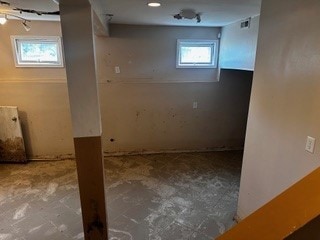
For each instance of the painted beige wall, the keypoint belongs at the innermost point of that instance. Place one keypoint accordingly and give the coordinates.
(284, 106)
(148, 54)
(40, 93)
(239, 45)
(8, 71)
(149, 105)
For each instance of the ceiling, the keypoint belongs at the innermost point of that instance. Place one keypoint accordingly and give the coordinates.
(213, 12)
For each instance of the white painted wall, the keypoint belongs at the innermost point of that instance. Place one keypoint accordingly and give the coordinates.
(238, 45)
(82, 83)
(284, 107)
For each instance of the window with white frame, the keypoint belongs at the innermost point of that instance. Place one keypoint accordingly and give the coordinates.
(37, 51)
(197, 53)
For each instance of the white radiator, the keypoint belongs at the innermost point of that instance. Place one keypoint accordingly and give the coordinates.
(11, 140)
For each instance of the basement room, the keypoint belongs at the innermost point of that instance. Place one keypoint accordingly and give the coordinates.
(137, 119)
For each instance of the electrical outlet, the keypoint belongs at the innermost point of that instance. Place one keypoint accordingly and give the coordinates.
(310, 144)
(117, 69)
(195, 105)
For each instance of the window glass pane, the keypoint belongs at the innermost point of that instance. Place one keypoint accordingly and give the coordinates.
(196, 53)
(191, 54)
(39, 52)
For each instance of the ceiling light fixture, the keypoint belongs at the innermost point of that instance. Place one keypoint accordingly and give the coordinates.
(154, 4)
(4, 19)
(188, 14)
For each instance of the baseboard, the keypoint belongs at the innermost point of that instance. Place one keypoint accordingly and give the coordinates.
(132, 153)
(61, 157)
(168, 151)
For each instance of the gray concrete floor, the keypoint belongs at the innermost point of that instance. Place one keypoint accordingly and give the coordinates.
(156, 197)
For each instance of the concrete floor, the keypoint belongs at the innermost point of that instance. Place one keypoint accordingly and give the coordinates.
(158, 197)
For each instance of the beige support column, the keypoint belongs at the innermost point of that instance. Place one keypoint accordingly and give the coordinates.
(77, 32)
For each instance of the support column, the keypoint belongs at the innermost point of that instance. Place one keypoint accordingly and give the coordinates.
(78, 40)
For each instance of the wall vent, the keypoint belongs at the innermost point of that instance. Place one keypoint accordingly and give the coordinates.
(245, 23)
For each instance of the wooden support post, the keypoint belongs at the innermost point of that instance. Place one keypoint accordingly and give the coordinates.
(78, 40)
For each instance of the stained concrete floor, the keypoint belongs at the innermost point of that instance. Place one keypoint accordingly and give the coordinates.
(156, 197)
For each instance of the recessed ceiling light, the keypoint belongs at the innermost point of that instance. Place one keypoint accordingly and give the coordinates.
(154, 4)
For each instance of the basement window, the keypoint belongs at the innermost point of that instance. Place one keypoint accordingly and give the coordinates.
(37, 51)
(197, 53)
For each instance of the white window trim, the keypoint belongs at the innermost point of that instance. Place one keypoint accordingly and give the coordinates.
(19, 63)
(205, 42)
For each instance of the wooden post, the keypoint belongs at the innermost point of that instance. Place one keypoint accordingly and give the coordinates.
(78, 40)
